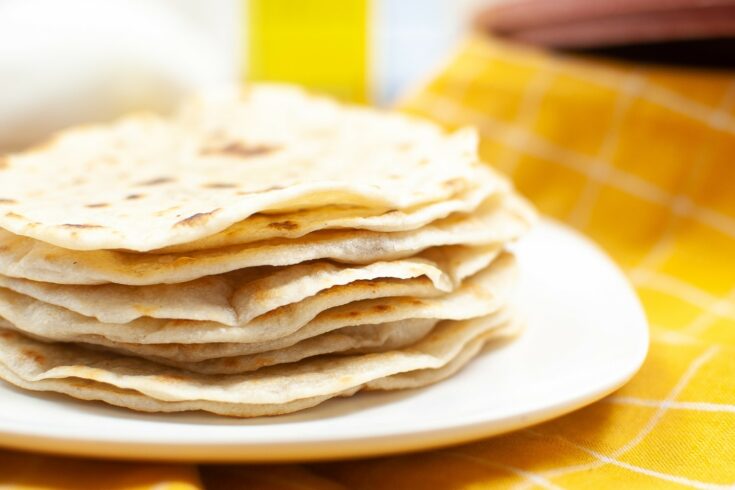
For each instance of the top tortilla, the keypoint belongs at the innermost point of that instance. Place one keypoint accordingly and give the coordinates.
(146, 182)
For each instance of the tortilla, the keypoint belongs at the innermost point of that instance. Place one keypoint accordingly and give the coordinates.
(146, 386)
(147, 182)
(238, 297)
(497, 221)
(379, 302)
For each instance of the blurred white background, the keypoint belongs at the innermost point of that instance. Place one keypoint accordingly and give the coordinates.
(76, 61)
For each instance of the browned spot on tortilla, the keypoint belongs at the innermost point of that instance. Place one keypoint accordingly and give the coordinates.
(130, 197)
(197, 219)
(97, 205)
(382, 308)
(13, 215)
(8, 201)
(175, 378)
(259, 191)
(229, 362)
(166, 211)
(146, 310)
(390, 211)
(7, 335)
(354, 314)
(37, 357)
(219, 185)
(239, 149)
(453, 184)
(417, 302)
(158, 181)
(263, 361)
(77, 225)
(284, 225)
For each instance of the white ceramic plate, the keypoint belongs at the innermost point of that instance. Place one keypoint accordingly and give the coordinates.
(586, 336)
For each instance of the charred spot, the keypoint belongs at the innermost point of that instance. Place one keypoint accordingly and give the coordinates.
(97, 205)
(197, 219)
(219, 185)
(6, 335)
(263, 362)
(382, 308)
(157, 181)
(37, 357)
(132, 197)
(417, 302)
(239, 149)
(283, 225)
(353, 314)
(453, 184)
(80, 225)
(230, 362)
(8, 201)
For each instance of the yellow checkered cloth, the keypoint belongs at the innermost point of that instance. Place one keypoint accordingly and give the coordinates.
(643, 161)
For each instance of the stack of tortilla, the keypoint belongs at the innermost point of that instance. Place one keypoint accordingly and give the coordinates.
(256, 254)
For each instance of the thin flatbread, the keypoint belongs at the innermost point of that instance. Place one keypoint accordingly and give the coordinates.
(238, 297)
(358, 339)
(147, 182)
(56, 367)
(394, 300)
(296, 224)
(497, 221)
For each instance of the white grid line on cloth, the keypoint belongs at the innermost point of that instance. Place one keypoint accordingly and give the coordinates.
(673, 286)
(694, 366)
(668, 336)
(652, 92)
(530, 105)
(449, 110)
(705, 319)
(603, 459)
(582, 212)
(695, 406)
(467, 75)
(528, 476)
(662, 248)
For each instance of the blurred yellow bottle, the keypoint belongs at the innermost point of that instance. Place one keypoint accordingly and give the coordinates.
(322, 44)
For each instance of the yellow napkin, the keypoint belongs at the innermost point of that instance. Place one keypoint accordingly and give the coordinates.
(23, 471)
(643, 161)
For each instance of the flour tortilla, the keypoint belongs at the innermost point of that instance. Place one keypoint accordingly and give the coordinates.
(497, 221)
(34, 361)
(146, 182)
(358, 339)
(302, 222)
(94, 391)
(238, 297)
(480, 295)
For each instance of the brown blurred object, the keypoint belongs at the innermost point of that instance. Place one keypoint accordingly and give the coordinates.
(590, 24)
